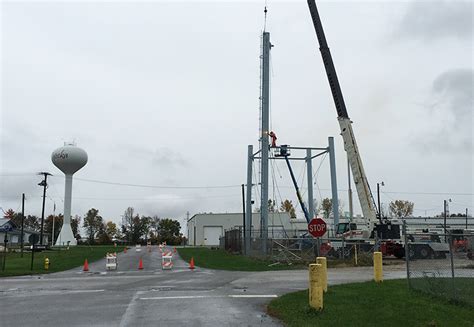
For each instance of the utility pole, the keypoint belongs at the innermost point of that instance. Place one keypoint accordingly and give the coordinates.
(466, 218)
(54, 215)
(22, 221)
(44, 184)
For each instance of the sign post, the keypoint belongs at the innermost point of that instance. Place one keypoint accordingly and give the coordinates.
(317, 227)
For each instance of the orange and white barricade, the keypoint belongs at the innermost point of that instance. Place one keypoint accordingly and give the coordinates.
(111, 261)
(167, 260)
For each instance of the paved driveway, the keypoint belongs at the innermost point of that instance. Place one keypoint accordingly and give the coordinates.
(155, 297)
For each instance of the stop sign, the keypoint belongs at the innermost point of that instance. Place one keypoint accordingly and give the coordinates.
(317, 227)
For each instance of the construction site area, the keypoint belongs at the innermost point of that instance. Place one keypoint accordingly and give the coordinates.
(227, 173)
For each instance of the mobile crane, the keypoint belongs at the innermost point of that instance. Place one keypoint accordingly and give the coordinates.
(386, 231)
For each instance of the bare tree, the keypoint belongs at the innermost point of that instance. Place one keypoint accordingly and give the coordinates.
(401, 208)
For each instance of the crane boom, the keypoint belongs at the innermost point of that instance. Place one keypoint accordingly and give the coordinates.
(366, 199)
(298, 194)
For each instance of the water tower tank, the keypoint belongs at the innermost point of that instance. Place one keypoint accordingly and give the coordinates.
(69, 158)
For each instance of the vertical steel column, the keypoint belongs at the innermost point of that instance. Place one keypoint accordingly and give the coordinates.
(264, 140)
(332, 164)
(248, 216)
(309, 172)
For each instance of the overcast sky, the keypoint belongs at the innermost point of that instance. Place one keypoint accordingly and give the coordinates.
(166, 94)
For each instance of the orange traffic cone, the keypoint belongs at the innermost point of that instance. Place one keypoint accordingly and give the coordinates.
(191, 263)
(140, 264)
(125, 250)
(86, 266)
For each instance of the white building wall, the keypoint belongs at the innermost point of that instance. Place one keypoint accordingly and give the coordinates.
(277, 223)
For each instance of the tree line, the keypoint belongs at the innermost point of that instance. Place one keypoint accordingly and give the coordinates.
(133, 229)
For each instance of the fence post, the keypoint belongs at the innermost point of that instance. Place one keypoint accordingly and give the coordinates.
(450, 238)
(407, 250)
(342, 248)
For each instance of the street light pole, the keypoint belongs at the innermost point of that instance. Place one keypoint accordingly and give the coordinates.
(22, 222)
(44, 184)
(444, 221)
(378, 200)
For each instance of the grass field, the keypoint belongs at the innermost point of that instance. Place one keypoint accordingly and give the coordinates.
(458, 289)
(369, 304)
(59, 259)
(220, 259)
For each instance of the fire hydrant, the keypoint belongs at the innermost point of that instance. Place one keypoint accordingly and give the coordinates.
(46, 263)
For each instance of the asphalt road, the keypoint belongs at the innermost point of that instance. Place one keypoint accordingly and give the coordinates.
(155, 297)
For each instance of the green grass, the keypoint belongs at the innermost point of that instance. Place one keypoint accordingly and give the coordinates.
(220, 259)
(59, 259)
(459, 290)
(369, 304)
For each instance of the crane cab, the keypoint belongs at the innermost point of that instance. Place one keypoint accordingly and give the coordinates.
(351, 231)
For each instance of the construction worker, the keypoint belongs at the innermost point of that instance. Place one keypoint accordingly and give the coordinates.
(274, 138)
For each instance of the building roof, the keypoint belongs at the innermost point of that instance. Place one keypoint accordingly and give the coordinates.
(16, 229)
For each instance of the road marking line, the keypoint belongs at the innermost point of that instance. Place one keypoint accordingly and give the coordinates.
(183, 297)
(81, 291)
(126, 319)
(252, 295)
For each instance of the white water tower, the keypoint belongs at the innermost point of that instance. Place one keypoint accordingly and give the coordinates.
(68, 159)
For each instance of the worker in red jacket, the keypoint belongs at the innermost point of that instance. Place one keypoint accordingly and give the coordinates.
(274, 138)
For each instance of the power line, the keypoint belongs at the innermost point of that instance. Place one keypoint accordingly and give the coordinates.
(156, 186)
(152, 199)
(430, 193)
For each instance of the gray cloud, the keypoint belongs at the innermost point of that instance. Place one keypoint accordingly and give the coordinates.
(432, 20)
(455, 88)
(168, 157)
(451, 106)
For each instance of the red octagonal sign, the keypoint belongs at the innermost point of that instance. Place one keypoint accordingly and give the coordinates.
(317, 227)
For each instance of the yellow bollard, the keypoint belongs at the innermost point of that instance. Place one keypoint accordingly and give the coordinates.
(378, 272)
(324, 276)
(355, 254)
(46, 263)
(315, 286)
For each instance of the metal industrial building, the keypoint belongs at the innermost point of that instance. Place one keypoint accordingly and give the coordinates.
(205, 229)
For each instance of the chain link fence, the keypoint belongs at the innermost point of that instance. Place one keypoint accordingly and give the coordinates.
(289, 249)
(441, 264)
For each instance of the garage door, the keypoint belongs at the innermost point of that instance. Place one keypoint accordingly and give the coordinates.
(212, 234)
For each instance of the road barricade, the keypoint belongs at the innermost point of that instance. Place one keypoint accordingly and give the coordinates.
(167, 260)
(111, 261)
